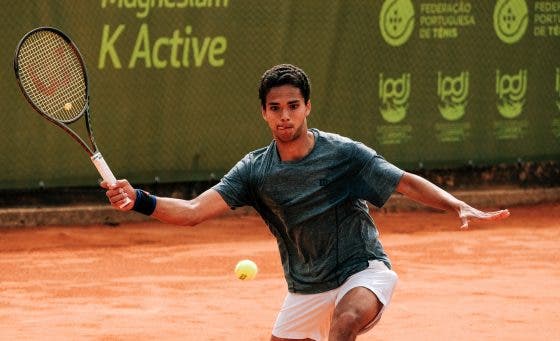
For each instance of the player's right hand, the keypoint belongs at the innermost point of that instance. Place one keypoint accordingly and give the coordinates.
(118, 194)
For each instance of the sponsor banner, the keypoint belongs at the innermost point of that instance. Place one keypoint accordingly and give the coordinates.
(173, 83)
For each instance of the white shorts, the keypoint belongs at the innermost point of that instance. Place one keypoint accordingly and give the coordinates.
(309, 315)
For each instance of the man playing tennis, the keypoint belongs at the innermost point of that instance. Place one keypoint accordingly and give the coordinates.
(311, 188)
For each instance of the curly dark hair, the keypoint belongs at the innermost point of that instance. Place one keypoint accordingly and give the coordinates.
(283, 74)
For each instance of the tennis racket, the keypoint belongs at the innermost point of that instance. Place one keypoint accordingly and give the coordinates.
(53, 78)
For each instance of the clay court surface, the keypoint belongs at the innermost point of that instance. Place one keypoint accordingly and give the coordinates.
(151, 281)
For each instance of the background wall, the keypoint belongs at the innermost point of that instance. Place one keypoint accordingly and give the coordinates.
(173, 84)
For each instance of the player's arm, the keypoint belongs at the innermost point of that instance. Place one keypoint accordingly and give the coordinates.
(190, 212)
(170, 210)
(425, 192)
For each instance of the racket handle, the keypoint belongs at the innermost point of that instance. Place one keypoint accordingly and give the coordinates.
(103, 168)
(105, 172)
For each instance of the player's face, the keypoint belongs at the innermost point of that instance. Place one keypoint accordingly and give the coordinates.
(286, 113)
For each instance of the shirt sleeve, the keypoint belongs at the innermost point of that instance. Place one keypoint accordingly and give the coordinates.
(234, 186)
(376, 178)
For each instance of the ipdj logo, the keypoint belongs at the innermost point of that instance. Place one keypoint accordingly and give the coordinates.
(396, 21)
(394, 93)
(510, 20)
(511, 93)
(453, 93)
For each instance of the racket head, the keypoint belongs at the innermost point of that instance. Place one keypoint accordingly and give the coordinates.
(52, 75)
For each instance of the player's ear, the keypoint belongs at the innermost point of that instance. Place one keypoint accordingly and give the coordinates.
(308, 108)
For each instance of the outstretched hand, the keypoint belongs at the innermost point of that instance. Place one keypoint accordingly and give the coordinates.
(468, 213)
(118, 193)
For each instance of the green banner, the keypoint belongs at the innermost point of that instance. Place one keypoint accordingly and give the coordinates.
(173, 83)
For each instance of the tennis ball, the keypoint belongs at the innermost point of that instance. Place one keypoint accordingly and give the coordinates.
(68, 106)
(246, 269)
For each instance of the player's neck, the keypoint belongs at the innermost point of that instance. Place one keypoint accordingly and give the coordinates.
(296, 149)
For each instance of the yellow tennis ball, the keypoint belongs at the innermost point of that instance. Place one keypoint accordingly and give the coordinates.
(68, 106)
(246, 270)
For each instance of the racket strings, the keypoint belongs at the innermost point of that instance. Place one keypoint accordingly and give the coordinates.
(51, 74)
(56, 78)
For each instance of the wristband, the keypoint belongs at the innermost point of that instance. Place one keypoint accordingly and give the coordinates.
(145, 203)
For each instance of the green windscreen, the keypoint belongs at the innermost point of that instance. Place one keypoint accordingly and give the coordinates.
(173, 83)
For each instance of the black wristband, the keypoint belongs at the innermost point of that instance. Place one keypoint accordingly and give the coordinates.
(145, 203)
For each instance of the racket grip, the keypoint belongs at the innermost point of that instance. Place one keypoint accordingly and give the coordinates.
(103, 168)
(106, 173)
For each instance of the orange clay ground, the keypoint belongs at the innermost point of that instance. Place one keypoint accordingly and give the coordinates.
(149, 281)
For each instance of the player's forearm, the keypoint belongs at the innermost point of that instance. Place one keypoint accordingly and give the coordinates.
(175, 211)
(425, 192)
(190, 212)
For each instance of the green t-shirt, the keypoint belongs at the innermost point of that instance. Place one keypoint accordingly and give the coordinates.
(315, 207)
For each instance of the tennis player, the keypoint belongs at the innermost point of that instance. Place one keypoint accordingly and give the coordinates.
(311, 188)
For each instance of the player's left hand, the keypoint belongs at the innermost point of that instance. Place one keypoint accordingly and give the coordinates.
(468, 213)
(118, 194)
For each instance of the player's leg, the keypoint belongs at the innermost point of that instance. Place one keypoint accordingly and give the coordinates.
(305, 317)
(361, 300)
(358, 308)
(274, 338)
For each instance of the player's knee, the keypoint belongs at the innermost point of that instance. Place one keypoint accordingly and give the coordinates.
(346, 323)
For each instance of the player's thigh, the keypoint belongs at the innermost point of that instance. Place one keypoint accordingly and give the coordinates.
(366, 294)
(305, 317)
(274, 338)
(360, 305)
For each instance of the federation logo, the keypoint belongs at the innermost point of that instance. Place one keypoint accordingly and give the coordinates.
(511, 91)
(396, 21)
(511, 18)
(394, 93)
(453, 93)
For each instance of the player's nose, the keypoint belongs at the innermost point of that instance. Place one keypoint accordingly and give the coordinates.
(285, 115)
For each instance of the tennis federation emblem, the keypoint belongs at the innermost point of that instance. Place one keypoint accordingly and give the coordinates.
(511, 18)
(396, 21)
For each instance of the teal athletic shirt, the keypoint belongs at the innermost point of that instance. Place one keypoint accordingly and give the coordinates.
(315, 207)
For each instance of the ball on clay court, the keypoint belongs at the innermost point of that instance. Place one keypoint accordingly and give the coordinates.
(68, 106)
(246, 269)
